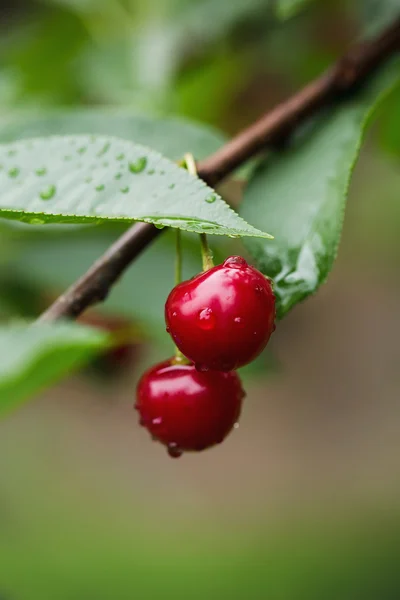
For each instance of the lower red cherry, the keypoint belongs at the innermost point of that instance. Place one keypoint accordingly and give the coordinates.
(223, 318)
(187, 410)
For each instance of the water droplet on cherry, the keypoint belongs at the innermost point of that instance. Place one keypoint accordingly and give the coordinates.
(206, 319)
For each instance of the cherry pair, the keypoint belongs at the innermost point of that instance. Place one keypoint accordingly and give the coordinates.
(220, 320)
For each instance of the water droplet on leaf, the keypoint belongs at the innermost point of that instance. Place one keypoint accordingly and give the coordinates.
(139, 165)
(41, 172)
(125, 190)
(104, 149)
(100, 188)
(48, 193)
(14, 172)
(211, 199)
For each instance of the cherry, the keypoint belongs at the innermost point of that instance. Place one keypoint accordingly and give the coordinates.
(223, 318)
(187, 410)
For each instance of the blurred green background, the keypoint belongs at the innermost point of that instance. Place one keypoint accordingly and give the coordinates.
(303, 500)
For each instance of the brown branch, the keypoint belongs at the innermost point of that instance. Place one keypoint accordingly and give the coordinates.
(343, 78)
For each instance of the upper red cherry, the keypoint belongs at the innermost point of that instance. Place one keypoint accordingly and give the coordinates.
(223, 318)
(187, 410)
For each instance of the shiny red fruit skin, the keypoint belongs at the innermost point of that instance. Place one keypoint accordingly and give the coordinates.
(187, 410)
(223, 318)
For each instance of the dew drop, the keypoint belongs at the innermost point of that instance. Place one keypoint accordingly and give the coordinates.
(171, 186)
(168, 329)
(125, 190)
(36, 221)
(88, 179)
(236, 426)
(235, 262)
(104, 149)
(156, 421)
(151, 172)
(206, 319)
(82, 150)
(41, 172)
(159, 226)
(118, 176)
(211, 199)
(14, 172)
(120, 156)
(139, 165)
(100, 188)
(258, 289)
(173, 450)
(174, 314)
(238, 320)
(201, 368)
(48, 193)
(186, 297)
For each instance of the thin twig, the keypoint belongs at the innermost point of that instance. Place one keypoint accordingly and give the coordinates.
(272, 129)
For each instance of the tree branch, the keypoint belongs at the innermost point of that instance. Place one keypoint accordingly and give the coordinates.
(272, 129)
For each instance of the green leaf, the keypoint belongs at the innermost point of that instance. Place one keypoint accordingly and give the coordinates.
(35, 356)
(170, 136)
(78, 179)
(301, 193)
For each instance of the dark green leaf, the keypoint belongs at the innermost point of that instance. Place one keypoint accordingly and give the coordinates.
(301, 194)
(35, 356)
(80, 179)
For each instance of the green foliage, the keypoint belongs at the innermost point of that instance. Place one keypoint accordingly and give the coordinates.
(301, 193)
(35, 356)
(88, 178)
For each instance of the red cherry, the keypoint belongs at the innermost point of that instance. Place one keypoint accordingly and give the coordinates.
(223, 318)
(187, 410)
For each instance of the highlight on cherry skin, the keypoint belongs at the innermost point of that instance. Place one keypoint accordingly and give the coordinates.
(185, 409)
(223, 318)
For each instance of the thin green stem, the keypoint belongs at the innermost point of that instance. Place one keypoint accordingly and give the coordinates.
(205, 248)
(178, 257)
(206, 253)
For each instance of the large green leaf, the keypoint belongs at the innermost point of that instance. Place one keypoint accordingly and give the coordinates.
(301, 193)
(170, 136)
(78, 179)
(35, 356)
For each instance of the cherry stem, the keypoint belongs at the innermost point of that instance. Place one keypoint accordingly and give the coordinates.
(178, 257)
(205, 248)
(206, 253)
